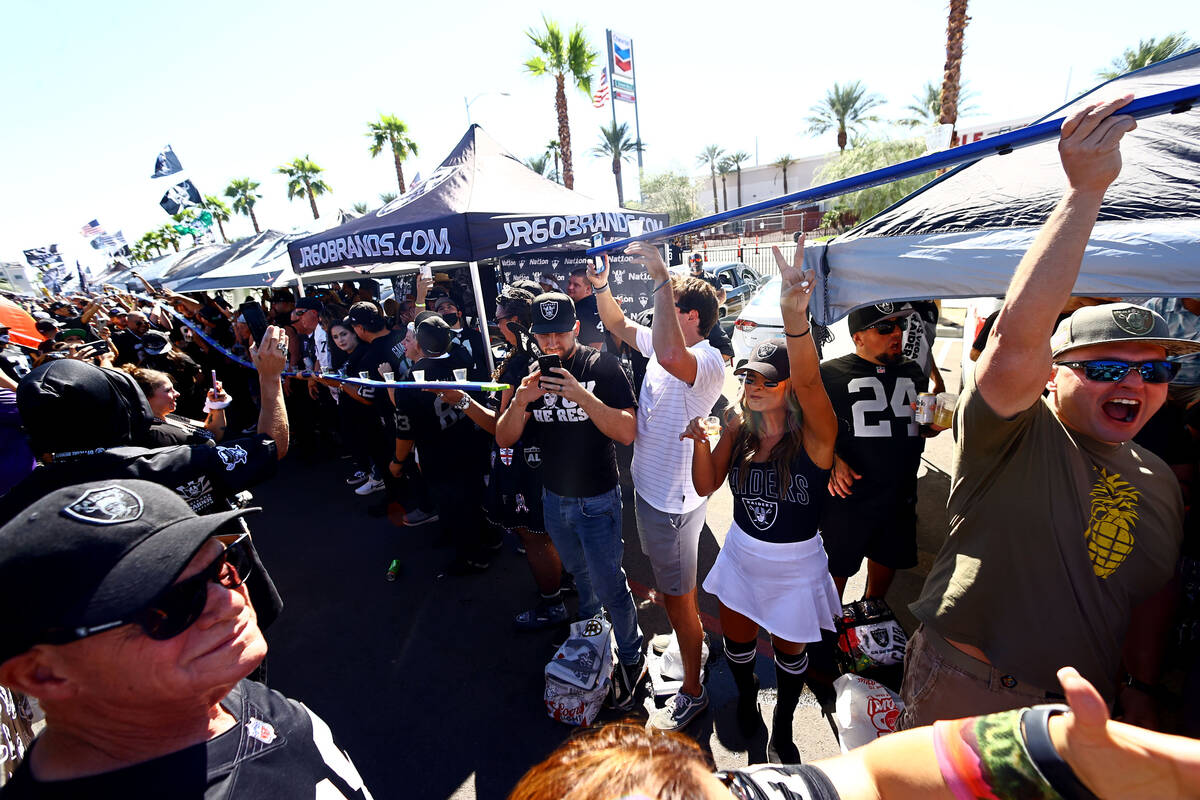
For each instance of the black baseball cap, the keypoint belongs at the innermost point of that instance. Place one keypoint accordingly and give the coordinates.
(156, 343)
(861, 318)
(433, 335)
(92, 554)
(553, 312)
(769, 359)
(70, 405)
(310, 303)
(364, 313)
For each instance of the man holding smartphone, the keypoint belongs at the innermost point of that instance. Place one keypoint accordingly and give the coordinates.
(683, 380)
(582, 408)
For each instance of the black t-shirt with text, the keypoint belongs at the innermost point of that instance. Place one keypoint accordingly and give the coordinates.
(766, 509)
(579, 460)
(591, 329)
(388, 349)
(450, 446)
(878, 435)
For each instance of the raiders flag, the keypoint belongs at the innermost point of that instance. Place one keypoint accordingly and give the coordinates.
(43, 257)
(166, 164)
(179, 197)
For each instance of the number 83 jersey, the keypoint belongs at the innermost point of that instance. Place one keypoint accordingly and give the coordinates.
(878, 435)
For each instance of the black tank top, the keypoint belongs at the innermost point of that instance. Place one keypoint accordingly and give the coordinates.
(765, 512)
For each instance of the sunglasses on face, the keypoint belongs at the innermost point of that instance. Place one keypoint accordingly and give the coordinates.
(889, 327)
(182, 603)
(752, 379)
(1111, 371)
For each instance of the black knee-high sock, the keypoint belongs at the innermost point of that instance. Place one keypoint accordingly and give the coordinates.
(741, 656)
(789, 678)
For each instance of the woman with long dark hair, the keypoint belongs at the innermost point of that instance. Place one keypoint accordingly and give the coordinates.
(776, 450)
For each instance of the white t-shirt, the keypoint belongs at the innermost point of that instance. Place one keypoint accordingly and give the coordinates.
(662, 464)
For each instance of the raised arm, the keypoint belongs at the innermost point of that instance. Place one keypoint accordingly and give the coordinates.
(1013, 369)
(269, 358)
(614, 319)
(669, 346)
(820, 425)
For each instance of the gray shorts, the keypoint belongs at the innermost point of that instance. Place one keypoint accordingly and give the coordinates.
(671, 542)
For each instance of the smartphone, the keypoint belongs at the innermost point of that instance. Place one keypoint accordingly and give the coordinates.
(600, 261)
(426, 271)
(256, 320)
(547, 363)
(92, 348)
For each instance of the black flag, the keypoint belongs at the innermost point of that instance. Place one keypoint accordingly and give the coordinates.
(166, 164)
(180, 196)
(43, 257)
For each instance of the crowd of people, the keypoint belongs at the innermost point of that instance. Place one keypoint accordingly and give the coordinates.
(140, 422)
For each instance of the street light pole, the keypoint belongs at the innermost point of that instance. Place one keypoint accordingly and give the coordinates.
(468, 103)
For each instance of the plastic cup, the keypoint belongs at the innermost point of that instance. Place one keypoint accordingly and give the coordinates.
(418, 376)
(943, 417)
(388, 376)
(460, 374)
(712, 429)
(366, 376)
(636, 226)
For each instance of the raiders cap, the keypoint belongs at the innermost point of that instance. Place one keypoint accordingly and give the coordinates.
(1116, 322)
(862, 318)
(769, 359)
(92, 554)
(433, 334)
(553, 312)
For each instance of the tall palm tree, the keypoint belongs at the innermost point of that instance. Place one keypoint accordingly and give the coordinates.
(554, 149)
(926, 107)
(724, 167)
(391, 132)
(616, 144)
(538, 163)
(220, 212)
(387, 197)
(711, 156)
(956, 26)
(168, 236)
(736, 160)
(783, 162)
(1147, 52)
(572, 56)
(245, 195)
(843, 109)
(303, 181)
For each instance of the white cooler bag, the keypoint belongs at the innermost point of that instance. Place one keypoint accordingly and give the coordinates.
(578, 676)
(864, 711)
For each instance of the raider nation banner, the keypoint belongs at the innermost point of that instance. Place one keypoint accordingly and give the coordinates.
(631, 285)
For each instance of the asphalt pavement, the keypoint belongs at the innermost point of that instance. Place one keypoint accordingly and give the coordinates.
(423, 680)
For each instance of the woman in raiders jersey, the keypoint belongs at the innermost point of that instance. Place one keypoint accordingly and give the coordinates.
(777, 452)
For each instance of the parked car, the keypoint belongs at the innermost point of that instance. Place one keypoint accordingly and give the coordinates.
(739, 281)
(760, 320)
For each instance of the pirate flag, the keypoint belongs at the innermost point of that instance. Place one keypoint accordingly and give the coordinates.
(166, 164)
(180, 196)
(43, 257)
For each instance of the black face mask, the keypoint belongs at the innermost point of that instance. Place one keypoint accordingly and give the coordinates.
(451, 319)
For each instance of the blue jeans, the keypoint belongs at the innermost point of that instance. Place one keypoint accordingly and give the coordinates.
(586, 531)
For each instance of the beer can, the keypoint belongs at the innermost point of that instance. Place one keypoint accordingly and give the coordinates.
(926, 407)
(393, 569)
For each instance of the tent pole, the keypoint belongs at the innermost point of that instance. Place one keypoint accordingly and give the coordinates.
(481, 313)
(300, 286)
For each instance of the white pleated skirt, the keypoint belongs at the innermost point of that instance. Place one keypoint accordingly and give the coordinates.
(785, 588)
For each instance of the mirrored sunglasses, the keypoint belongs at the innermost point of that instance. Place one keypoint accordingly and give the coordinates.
(1111, 371)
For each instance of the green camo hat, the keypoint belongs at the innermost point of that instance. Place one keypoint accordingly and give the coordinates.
(1116, 322)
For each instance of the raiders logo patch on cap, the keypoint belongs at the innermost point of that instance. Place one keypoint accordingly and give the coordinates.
(108, 505)
(1137, 321)
(765, 351)
(885, 308)
(549, 309)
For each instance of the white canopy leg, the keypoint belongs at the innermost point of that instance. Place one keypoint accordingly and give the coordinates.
(481, 314)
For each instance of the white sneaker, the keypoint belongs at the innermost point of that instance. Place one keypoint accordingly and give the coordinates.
(370, 487)
(418, 517)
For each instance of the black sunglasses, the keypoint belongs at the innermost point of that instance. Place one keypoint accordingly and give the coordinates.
(747, 378)
(889, 327)
(1111, 371)
(182, 603)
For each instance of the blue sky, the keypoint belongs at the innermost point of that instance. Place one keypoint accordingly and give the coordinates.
(91, 92)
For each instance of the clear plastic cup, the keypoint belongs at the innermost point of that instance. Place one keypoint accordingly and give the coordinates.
(418, 376)
(943, 417)
(388, 376)
(460, 374)
(712, 429)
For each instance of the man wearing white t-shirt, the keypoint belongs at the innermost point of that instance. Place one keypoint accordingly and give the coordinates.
(683, 380)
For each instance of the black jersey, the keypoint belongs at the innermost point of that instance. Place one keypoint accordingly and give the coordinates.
(771, 512)
(387, 349)
(878, 435)
(449, 445)
(277, 748)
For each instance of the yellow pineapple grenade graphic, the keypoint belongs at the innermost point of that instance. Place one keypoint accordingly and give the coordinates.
(1114, 512)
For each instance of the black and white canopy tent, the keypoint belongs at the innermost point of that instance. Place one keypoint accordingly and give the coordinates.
(964, 234)
(481, 202)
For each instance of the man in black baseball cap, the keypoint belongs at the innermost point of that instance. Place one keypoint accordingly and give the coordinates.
(136, 616)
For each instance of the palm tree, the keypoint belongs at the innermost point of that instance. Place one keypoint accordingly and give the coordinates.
(736, 160)
(723, 169)
(151, 241)
(220, 212)
(1147, 52)
(616, 144)
(843, 109)
(561, 57)
(387, 197)
(245, 195)
(391, 131)
(553, 149)
(956, 26)
(926, 107)
(783, 162)
(538, 163)
(168, 236)
(359, 208)
(303, 181)
(712, 156)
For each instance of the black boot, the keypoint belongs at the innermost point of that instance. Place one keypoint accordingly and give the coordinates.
(741, 657)
(789, 677)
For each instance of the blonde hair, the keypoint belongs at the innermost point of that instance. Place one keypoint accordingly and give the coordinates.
(147, 379)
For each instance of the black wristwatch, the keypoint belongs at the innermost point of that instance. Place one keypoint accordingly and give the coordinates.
(1141, 686)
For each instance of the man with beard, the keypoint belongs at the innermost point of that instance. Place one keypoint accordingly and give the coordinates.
(874, 478)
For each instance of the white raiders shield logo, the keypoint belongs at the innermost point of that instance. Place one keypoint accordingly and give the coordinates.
(533, 457)
(1137, 321)
(762, 512)
(506, 454)
(549, 310)
(885, 308)
(108, 505)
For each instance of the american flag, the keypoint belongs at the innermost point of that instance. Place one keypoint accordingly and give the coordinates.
(600, 98)
(92, 228)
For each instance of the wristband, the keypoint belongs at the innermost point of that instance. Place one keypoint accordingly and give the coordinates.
(798, 335)
(986, 757)
(664, 283)
(418, 305)
(603, 288)
(1057, 772)
(210, 405)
